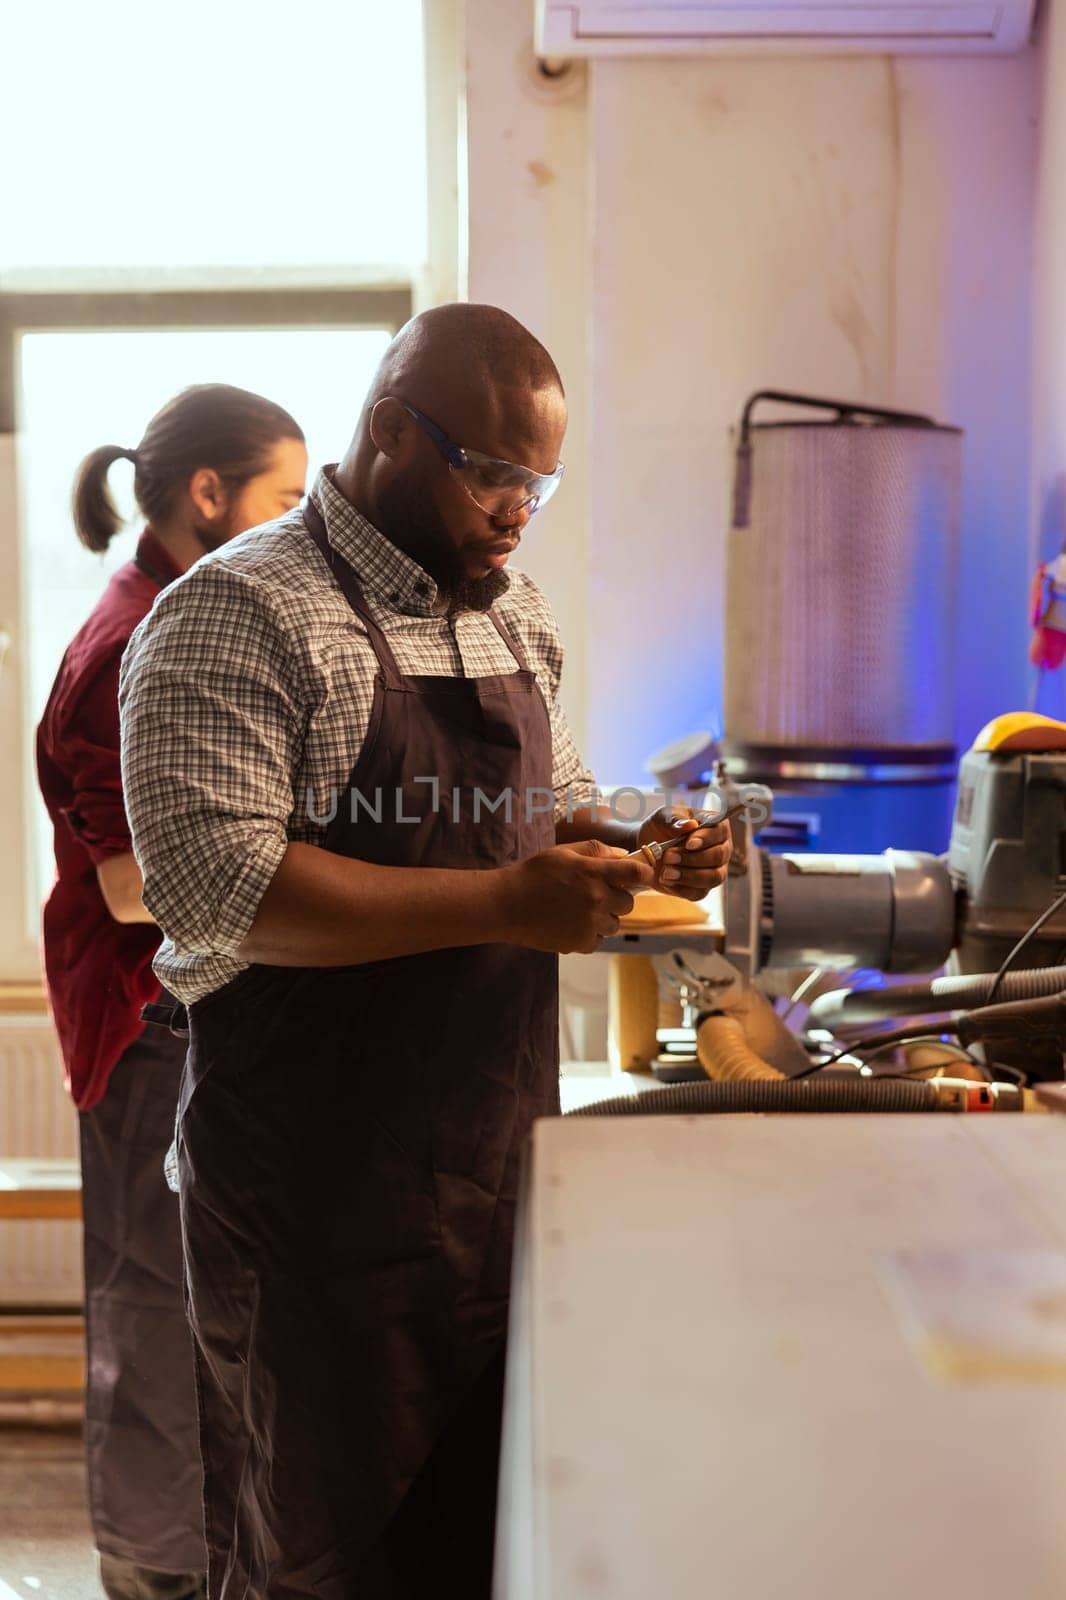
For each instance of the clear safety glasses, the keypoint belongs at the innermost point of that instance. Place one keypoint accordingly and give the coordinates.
(501, 488)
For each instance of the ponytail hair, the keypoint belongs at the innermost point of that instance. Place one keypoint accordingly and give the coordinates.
(211, 425)
(95, 515)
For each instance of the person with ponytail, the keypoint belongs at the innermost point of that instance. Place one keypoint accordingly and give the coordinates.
(213, 462)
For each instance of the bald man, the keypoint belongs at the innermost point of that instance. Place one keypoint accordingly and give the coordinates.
(356, 806)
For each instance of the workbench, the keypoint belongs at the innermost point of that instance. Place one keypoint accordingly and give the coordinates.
(821, 1358)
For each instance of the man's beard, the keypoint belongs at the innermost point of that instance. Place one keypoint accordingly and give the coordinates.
(211, 539)
(213, 535)
(407, 514)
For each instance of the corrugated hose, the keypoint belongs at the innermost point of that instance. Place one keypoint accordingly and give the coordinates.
(762, 1094)
(842, 1007)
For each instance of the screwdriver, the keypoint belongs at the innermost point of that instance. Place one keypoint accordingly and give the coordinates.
(653, 853)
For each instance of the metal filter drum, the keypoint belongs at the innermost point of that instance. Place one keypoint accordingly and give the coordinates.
(840, 598)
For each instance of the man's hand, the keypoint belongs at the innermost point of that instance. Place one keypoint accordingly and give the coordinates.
(701, 860)
(569, 898)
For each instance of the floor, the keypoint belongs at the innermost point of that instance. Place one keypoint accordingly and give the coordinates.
(46, 1549)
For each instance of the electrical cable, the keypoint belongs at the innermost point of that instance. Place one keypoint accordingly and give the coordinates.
(900, 1035)
(1022, 942)
(871, 1046)
(874, 1042)
(961, 1052)
(1020, 1078)
(952, 1052)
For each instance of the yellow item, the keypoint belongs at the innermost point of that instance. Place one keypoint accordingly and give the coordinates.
(935, 1059)
(1021, 731)
(725, 1054)
(632, 1013)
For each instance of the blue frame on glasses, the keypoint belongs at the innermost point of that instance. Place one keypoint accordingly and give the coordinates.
(457, 457)
(453, 453)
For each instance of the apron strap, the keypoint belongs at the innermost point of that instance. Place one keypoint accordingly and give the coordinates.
(510, 641)
(352, 591)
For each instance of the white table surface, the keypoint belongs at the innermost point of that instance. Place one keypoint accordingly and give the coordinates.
(711, 1394)
(581, 1083)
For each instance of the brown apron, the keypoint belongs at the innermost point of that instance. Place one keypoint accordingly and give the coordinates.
(349, 1142)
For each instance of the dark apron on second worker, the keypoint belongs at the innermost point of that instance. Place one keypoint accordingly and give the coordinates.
(349, 1143)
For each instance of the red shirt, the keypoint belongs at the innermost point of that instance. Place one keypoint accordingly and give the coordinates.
(98, 971)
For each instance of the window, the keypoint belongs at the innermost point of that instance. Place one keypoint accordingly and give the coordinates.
(218, 192)
(85, 388)
(213, 136)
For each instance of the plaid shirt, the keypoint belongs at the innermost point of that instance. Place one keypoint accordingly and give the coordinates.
(245, 698)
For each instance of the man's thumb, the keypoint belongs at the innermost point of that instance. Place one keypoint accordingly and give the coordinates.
(596, 847)
(631, 872)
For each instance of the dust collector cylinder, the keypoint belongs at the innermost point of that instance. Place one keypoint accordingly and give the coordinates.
(840, 598)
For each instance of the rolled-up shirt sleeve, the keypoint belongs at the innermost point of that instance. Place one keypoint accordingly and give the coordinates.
(211, 733)
(573, 782)
(96, 814)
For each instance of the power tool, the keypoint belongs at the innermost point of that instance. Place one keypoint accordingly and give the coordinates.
(988, 916)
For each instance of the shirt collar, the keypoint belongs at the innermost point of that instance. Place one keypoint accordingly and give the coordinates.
(155, 559)
(390, 578)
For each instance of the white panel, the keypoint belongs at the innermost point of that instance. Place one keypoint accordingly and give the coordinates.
(753, 21)
(786, 26)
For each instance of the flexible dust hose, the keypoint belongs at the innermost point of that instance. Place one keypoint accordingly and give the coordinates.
(725, 1055)
(852, 1094)
(841, 1007)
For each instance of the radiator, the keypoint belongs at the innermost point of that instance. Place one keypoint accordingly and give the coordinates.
(40, 1262)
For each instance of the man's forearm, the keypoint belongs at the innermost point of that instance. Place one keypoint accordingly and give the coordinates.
(600, 823)
(122, 887)
(326, 910)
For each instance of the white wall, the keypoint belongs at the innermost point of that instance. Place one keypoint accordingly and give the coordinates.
(690, 230)
(1049, 311)
(527, 250)
(965, 344)
(857, 228)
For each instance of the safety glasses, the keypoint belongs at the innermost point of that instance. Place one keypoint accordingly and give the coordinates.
(501, 488)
